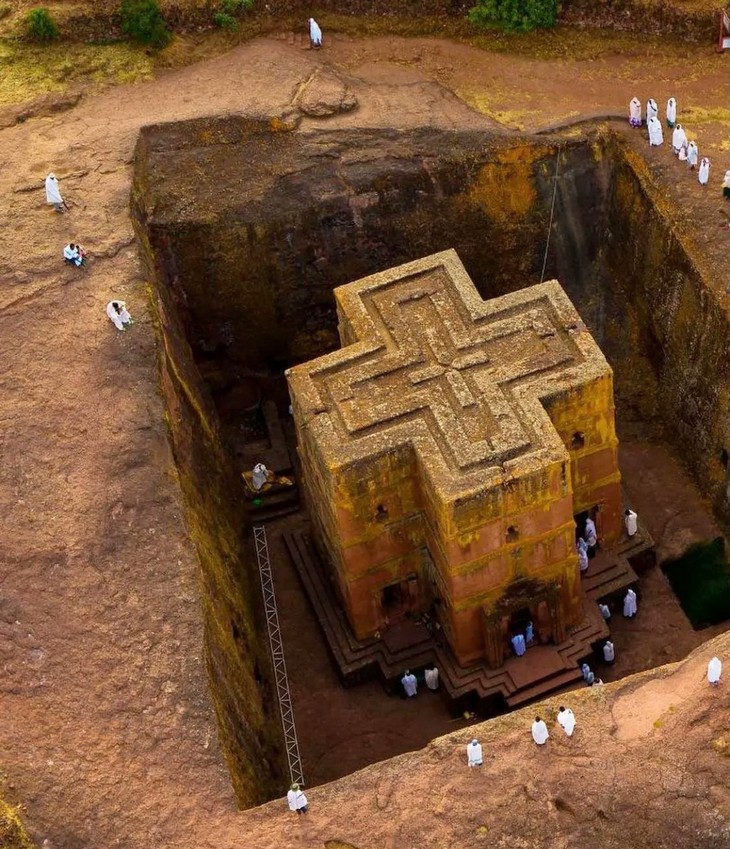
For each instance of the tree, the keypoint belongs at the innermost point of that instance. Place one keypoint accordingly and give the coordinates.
(515, 15)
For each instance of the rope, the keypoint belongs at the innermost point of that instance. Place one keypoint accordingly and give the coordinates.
(552, 211)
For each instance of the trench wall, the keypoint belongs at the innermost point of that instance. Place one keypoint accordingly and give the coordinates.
(675, 317)
(244, 268)
(235, 642)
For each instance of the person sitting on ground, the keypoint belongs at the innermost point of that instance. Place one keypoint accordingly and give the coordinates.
(474, 756)
(53, 194)
(609, 653)
(315, 34)
(259, 476)
(74, 255)
(566, 720)
(118, 315)
(297, 800)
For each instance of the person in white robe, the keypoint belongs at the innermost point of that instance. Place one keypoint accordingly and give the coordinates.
(605, 611)
(656, 134)
(529, 632)
(474, 756)
(630, 605)
(566, 720)
(410, 685)
(588, 675)
(652, 110)
(297, 800)
(590, 535)
(118, 315)
(671, 112)
(74, 255)
(518, 645)
(609, 652)
(315, 34)
(432, 678)
(693, 155)
(540, 732)
(631, 522)
(682, 155)
(53, 194)
(582, 547)
(714, 671)
(635, 112)
(259, 476)
(679, 139)
(703, 174)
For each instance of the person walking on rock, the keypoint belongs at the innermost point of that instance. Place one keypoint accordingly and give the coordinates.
(540, 732)
(566, 720)
(297, 800)
(118, 315)
(714, 671)
(53, 194)
(474, 755)
(635, 112)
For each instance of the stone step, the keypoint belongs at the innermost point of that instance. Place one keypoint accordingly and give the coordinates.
(543, 688)
(619, 575)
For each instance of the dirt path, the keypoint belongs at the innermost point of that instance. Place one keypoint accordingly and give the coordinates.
(106, 730)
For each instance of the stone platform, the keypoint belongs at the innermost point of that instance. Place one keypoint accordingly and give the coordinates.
(410, 645)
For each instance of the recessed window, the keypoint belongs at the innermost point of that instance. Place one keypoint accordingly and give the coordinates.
(512, 533)
(381, 514)
(579, 439)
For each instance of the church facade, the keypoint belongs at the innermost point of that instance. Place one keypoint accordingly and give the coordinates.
(446, 450)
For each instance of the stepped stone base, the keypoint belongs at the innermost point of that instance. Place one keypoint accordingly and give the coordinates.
(411, 645)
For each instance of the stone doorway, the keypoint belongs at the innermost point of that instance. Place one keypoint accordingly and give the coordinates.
(398, 601)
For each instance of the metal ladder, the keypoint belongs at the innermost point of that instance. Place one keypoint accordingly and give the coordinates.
(277, 656)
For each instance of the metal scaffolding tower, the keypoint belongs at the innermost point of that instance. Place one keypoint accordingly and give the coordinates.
(277, 655)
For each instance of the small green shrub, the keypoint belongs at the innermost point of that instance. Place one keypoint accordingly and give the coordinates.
(40, 26)
(515, 15)
(225, 21)
(236, 7)
(700, 579)
(142, 21)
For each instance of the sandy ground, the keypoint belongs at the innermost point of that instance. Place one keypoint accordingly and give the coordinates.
(106, 731)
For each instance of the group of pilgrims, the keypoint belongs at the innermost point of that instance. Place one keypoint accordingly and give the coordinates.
(684, 149)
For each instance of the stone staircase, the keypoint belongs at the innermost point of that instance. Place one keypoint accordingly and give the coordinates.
(542, 670)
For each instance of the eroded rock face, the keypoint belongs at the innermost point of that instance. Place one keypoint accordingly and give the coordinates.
(325, 94)
(646, 767)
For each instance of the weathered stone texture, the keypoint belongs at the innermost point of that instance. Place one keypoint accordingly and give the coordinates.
(428, 449)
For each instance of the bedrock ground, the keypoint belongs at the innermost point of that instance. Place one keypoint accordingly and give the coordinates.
(107, 732)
